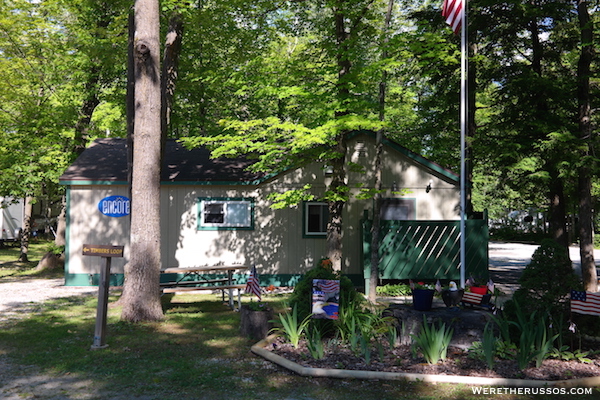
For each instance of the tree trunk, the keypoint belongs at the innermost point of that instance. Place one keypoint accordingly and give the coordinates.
(374, 277)
(586, 234)
(170, 71)
(338, 187)
(141, 297)
(26, 233)
(557, 210)
(61, 224)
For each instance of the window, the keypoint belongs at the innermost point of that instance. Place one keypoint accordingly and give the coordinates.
(220, 213)
(397, 209)
(316, 216)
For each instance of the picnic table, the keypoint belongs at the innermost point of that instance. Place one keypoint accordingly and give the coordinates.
(215, 277)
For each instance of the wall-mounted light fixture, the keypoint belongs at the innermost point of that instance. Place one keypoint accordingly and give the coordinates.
(428, 188)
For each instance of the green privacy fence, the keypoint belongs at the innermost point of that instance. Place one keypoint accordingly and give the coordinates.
(427, 250)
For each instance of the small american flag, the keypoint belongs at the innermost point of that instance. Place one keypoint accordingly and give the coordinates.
(472, 298)
(585, 302)
(253, 286)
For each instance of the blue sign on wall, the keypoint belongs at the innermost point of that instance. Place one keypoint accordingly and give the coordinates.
(114, 206)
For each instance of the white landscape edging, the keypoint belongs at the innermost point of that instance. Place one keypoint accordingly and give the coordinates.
(259, 349)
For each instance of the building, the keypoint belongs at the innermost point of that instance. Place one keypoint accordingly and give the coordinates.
(214, 211)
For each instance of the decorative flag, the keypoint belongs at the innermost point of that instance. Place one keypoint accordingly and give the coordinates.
(472, 298)
(412, 284)
(328, 286)
(325, 298)
(585, 302)
(253, 286)
(491, 285)
(452, 11)
(438, 286)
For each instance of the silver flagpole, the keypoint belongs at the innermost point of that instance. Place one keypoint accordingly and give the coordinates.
(463, 134)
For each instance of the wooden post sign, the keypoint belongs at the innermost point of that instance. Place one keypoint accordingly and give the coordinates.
(106, 252)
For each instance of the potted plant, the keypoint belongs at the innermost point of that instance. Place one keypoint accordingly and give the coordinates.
(255, 320)
(476, 286)
(422, 294)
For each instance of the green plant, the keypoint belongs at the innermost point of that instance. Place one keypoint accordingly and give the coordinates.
(488, 345)
(547, 280)
(291, 326)
(393, 290)
(314, 343)
(534, 341)
(303, 292)
(564, 354)
(433, 341)
(257, 306)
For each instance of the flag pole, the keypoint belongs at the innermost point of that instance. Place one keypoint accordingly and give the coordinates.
(463, 134)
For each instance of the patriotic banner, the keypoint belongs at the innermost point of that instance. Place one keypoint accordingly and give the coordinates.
(452, 11)
(253, 285)
(472, 298)
(585, 302)
(325, 298)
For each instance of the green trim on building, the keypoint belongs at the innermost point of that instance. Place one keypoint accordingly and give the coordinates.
(279, 280)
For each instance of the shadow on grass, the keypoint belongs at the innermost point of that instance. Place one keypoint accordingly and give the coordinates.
(195, 353)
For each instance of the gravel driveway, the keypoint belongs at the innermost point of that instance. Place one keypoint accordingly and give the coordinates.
(15, 296)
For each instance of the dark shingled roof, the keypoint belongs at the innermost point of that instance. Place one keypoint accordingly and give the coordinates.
(106, 160)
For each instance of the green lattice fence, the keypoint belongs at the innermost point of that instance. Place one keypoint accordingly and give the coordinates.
(427, 250)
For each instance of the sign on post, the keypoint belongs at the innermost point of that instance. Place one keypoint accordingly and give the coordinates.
(106, 252)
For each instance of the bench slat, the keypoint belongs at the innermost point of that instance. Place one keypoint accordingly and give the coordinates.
(193, 282)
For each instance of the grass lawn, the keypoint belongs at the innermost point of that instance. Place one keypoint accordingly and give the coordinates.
(10, 267)
(195, 353)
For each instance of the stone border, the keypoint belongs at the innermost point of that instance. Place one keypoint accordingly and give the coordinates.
(259, 349)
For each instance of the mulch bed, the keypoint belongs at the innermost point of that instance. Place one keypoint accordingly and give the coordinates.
(401, 359)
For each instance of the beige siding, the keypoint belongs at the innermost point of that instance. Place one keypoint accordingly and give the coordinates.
(88, 226)
(276, 245)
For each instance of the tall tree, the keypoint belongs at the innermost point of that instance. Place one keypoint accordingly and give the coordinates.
(141, 291)
(586, 230)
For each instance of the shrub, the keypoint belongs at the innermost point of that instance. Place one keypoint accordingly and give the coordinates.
(302, 295)
(547, 281)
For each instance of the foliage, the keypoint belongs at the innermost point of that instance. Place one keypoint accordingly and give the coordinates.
(301, 297)
(533, 337)
(257, 306)
(546, 281)
(360, 328)
(433, 341)
(314, 343)
(291, 326)
(564, 354)
(393, 290)
(488, 345)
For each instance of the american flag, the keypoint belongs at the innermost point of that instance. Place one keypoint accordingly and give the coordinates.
(253, 286)
(472, 298)
(452, 11)
(327, 286)
(585, 302)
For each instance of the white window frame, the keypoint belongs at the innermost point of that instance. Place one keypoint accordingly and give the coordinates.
(231, 217)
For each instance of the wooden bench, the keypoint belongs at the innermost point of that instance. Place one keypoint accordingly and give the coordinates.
(222, 288)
